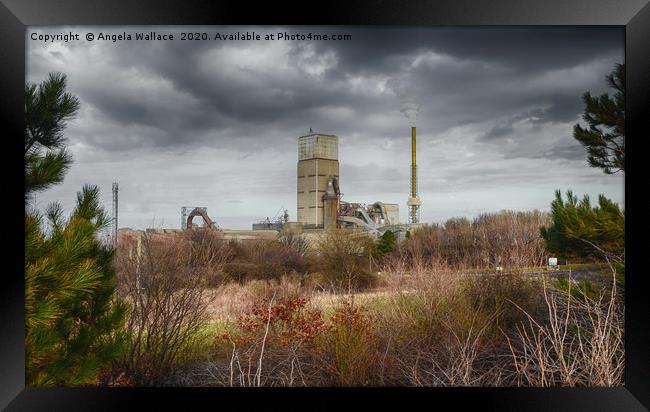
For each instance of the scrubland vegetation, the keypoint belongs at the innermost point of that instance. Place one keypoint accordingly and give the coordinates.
(349, 310)
(352, 311)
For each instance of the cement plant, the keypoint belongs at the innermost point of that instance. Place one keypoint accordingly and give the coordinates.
(355, 284)
(320, 206)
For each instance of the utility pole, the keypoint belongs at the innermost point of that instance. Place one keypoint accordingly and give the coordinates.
(115, 190)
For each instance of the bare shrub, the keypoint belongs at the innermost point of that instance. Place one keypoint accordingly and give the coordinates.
(500, 239)
(268, 260)
(581, 343)
(454, 362)
(295, 242)
(442, 328)
(432, 334)
(212, 252)
(511, 238)
(504, 330)
(164, 284)
(498, 294)
(351, 346)
(342, 260)
(431, 325)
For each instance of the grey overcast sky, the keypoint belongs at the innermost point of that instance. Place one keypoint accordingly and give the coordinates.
(216, 123)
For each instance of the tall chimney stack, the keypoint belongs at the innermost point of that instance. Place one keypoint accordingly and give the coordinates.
(414, 201)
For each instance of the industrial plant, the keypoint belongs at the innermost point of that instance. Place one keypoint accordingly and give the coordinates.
(320, 204)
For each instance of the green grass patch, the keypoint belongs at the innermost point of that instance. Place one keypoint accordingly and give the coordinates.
(585, 266)
(203, 341)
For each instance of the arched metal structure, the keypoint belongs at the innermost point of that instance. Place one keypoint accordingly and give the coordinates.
(199, 212)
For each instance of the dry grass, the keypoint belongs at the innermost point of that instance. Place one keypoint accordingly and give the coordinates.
(321, 318)
(429, 328)
(232, 300)
(581, 344)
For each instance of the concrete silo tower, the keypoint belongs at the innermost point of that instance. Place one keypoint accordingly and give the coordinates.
(318, 161)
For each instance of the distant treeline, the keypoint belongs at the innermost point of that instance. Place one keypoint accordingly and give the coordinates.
(506, 238)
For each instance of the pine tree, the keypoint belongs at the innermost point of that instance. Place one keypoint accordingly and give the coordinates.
(582, 231)
(72, 321)
(604, 138)
(47, 109)
(73, 324)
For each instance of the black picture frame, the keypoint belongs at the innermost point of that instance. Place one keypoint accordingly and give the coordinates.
(634, 15)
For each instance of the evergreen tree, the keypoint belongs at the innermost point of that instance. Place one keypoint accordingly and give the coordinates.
(386, 243)
(582, 231)
(72, 322)
(47, 109)
(604, 138)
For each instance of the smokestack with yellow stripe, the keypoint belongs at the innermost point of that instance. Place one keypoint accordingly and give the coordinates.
(414, 201)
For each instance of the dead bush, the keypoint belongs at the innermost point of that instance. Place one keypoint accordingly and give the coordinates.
(445, 329)
(265, 260)
(164, 283)
(343, 261)
(510, 239)
(580, 343)
(498, 295)
(351, 347)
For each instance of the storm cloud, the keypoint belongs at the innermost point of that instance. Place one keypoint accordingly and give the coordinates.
(215, 123)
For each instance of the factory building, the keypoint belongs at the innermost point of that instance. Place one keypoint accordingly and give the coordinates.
(320, 205)
(318, 167)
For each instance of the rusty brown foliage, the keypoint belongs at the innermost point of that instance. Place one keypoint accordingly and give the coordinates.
(509, 239)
